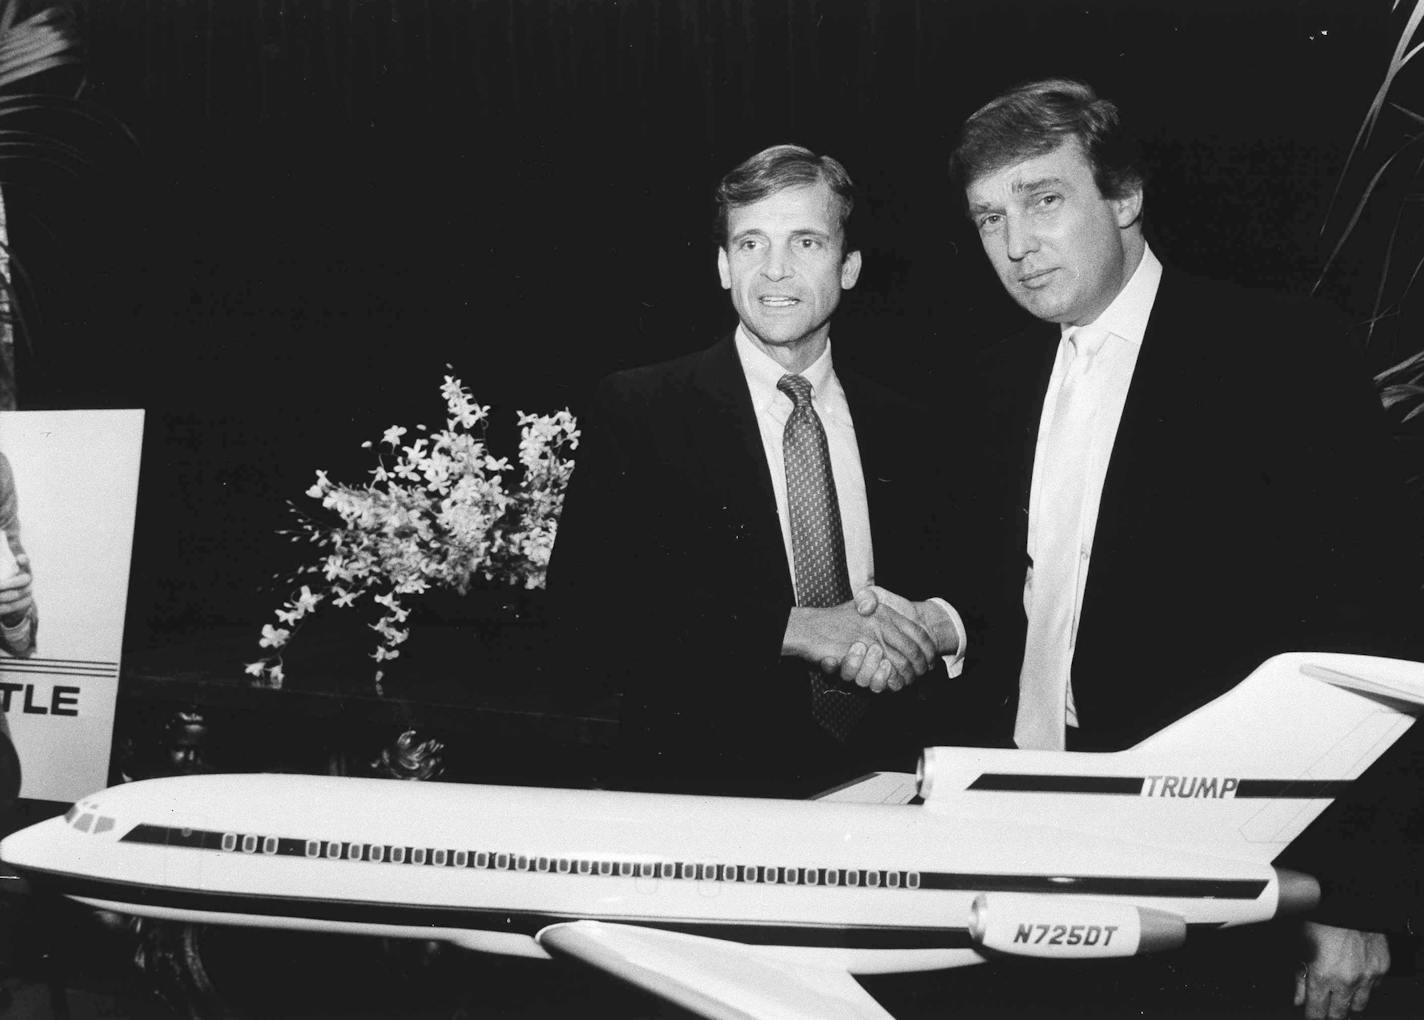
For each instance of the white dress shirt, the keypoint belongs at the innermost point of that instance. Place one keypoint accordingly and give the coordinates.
(829, 401)
(1125, 321)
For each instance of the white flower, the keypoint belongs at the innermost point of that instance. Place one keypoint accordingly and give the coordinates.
(320, 487)
(446, 511)
(273, 637)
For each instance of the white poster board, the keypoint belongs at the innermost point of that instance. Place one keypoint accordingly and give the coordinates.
(76, 481)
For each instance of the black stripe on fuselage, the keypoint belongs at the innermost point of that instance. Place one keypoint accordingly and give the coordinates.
(1098, 885)
(1132, 786)
(1307, 789)
(1001, 782)
(425, 915)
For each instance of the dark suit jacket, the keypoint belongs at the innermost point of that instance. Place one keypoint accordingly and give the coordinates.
(1250, 507)
(670, 579)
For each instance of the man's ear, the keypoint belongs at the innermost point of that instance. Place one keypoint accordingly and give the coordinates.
(723, 270)
(850, 270)
(1129, 206)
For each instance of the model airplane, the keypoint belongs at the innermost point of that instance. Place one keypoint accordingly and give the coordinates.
(764, 908)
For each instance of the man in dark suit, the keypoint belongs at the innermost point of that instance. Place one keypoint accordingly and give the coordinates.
(1178, 479)
(695, 568)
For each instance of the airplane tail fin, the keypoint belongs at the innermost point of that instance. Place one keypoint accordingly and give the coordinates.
(1295, 706)
(1241, 776)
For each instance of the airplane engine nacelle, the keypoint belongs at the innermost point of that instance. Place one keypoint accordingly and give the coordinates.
(1064, 927)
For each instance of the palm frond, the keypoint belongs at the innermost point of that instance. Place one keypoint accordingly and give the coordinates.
(30, 55)
(17, 103)
(1415, 360)
(1401, 56)
(1417, 118)
(1359, 209)
(1392, 395)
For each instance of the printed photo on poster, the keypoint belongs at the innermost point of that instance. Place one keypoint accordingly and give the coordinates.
(68, 492)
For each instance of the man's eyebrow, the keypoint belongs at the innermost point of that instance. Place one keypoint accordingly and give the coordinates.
(1018, 187)
(1037, 185)
(749, 232)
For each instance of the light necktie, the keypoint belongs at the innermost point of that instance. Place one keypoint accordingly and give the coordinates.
(817, 543)
(1059, 552)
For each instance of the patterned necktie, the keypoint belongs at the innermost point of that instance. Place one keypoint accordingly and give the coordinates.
(817, 544)
(1059, 553)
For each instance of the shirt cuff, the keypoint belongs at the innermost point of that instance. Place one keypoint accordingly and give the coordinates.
(954, 664)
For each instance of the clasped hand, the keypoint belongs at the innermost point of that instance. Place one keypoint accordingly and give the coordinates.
(869, 641)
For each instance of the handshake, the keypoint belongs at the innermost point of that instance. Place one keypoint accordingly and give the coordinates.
(877, 640)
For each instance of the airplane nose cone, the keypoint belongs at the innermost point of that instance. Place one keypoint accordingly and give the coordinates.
(31, 847)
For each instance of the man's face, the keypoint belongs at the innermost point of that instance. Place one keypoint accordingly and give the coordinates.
(783, 265)
(1060, 248)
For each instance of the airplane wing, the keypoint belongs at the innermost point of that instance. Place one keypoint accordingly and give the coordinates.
(876, 788)
(716, 979)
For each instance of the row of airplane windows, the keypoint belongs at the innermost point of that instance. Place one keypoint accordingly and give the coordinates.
(441, 858)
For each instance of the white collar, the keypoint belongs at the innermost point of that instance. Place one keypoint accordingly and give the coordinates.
(1126, 316)
(763, 373)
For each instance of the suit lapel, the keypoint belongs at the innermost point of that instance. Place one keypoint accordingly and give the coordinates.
(729, 445)
(1150, 413)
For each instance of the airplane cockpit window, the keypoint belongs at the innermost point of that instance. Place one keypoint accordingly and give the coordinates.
(83, 818)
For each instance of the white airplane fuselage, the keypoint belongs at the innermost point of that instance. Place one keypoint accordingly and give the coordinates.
(869, 888)
(736, 908)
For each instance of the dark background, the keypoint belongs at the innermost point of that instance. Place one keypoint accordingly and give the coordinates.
(325, 202)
